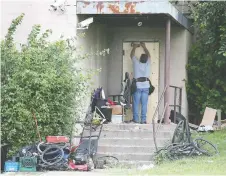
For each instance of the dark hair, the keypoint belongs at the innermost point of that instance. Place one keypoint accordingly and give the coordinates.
(143, 58)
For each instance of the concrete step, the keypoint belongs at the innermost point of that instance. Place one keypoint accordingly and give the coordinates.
(125, 149)
(132, 164)
(149, 142)
(134, 127)
(134, 134)
(128, 156)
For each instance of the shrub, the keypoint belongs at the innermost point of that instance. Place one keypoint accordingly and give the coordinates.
(39, 79)
(206, 85)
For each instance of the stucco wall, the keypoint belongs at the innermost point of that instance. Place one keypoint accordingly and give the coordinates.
(37, 12)
(95, 41)
(180, 44)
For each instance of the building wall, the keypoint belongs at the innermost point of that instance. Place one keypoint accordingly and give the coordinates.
(96, 41)
(181, 41)
(99, 37)
(37, 12)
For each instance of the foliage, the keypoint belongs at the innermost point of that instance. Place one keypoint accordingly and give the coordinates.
(206, 84)
(160, 157)
(41, 79)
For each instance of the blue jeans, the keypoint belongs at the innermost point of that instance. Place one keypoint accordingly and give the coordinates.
(140, 96)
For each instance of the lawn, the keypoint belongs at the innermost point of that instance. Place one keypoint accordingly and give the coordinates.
(199, 165)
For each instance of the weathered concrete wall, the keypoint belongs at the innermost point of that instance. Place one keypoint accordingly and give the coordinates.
(37, 12)
(96, 41)
(181, 41)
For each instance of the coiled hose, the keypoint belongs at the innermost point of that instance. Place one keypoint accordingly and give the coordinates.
(52, 155)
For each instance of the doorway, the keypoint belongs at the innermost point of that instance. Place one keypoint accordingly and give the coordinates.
(153, 48)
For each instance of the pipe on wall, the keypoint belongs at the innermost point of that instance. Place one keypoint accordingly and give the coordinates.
(167, 70)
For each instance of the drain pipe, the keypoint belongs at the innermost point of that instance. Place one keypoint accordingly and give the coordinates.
(167, 69)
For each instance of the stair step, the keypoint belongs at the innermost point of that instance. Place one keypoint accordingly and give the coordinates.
(133, 142)
(126, 149)
(144, 127)
(133, 134)
(132, 164)
(128, 156)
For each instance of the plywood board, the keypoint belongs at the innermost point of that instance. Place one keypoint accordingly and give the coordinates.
(209, 116)
(153, 48)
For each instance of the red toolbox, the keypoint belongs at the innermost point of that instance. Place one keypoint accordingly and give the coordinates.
(57, 139)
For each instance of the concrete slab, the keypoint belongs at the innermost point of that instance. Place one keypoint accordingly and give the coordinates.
(132, 142)
(96, 172)
(132, 134)
(135, 127)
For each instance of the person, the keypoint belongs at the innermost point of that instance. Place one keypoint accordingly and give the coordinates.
(141, 73)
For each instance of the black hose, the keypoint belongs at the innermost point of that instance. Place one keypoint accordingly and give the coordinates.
(57, 159)
(46, 145)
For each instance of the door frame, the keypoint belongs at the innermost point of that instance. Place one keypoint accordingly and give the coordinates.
(159, 78)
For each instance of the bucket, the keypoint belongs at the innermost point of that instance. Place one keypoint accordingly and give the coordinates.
(116, 119)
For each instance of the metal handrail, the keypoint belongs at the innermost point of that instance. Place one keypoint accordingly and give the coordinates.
(160, 122)
(160, 100)
(165, 107)
(153, 119)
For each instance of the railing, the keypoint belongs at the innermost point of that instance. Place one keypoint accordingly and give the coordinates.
(175, 101)
(155, 130)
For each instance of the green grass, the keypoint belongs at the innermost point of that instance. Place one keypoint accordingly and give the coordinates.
(199, 165)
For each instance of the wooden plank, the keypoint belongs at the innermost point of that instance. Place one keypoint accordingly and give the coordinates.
(209, 116)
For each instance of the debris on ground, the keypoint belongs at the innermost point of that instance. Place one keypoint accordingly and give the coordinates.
(146, 167)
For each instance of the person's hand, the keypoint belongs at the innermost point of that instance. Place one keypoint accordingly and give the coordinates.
(134, 45)
(142, 44)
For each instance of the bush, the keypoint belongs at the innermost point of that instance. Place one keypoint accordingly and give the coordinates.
(39, 79)
(206, 85)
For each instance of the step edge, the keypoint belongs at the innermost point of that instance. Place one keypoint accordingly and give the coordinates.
(135, 138)
(135, 161)
(136, 130)
(135, 124)
(116, 153)
(124, 146)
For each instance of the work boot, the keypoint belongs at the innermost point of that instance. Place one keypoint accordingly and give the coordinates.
(134, 122)
(144, 122)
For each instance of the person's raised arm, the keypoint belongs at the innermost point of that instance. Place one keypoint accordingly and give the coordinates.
(145, 49)
(132, 54)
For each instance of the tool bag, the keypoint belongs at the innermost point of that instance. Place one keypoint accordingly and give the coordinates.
(142, 79)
